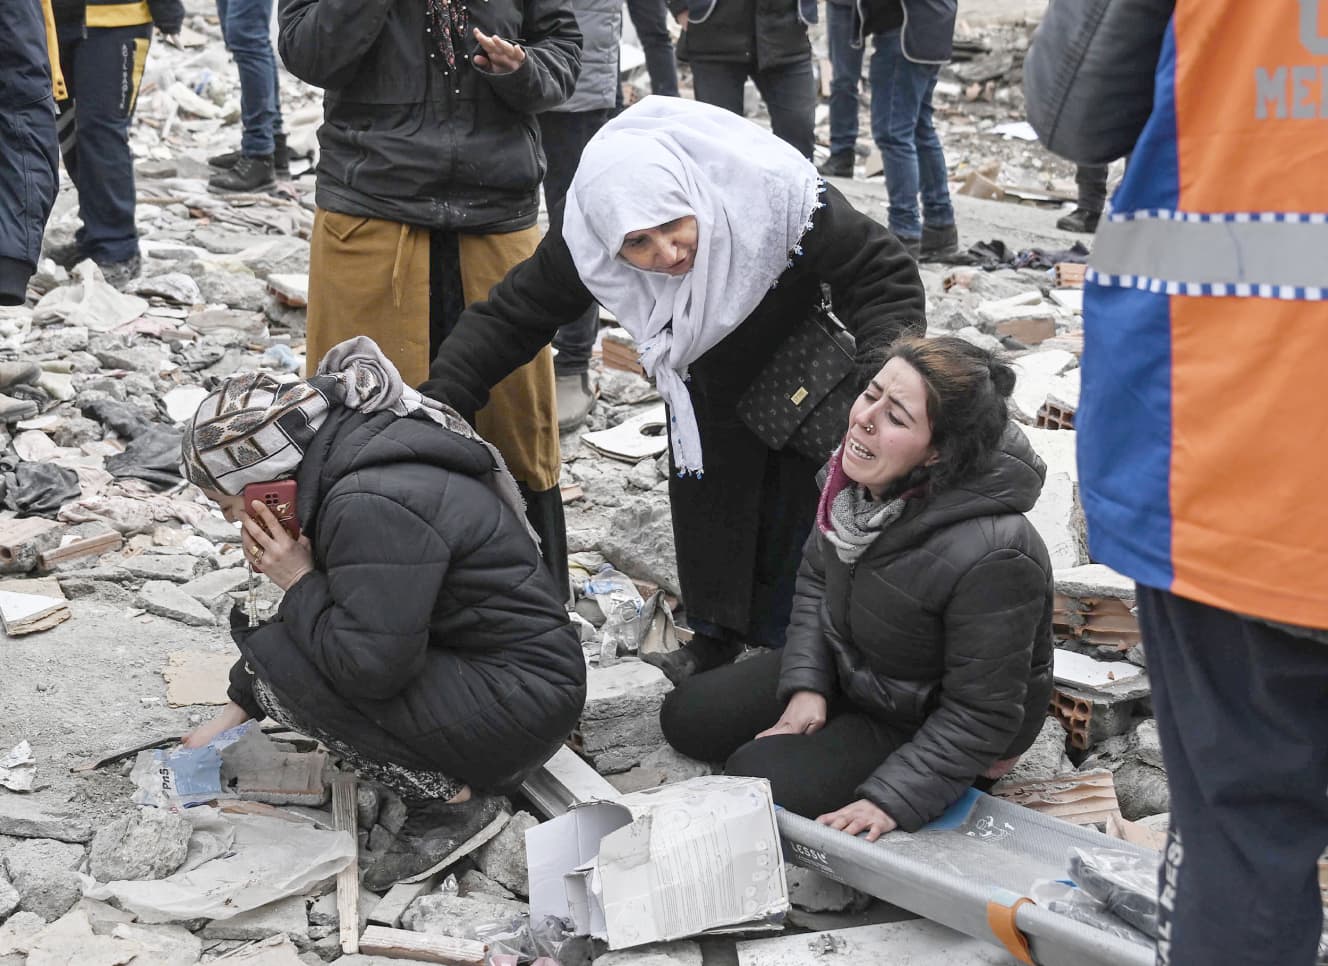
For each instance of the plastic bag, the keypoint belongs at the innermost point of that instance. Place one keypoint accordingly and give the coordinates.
(1124, 882)
(621, 603)
(1064, 898)
(520, 941)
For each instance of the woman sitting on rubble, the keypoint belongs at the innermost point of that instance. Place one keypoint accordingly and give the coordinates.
(710, 240)
(918, 660)
(420, 637)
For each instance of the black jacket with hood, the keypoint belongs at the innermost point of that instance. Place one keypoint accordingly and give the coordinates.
(430, 633)
(406, 141)
(942, 629)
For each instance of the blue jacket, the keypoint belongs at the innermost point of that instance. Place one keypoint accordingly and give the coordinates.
(28, 149)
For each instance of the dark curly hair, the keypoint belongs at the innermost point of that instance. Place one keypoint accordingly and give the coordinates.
(967, 392)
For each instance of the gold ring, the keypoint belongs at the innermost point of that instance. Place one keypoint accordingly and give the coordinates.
(256, 553)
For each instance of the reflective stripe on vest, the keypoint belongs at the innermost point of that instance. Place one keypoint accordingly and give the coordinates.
(1264, 254)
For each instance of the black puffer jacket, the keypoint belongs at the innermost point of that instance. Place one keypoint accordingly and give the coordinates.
(430, 634)
(942, 629)
(405, 141)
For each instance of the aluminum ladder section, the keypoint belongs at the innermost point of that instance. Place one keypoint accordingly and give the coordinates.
(982, 849)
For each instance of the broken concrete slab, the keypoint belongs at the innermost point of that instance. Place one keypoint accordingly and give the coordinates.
(197, 677)
(103, 916)
(291, 288)
(503, 858)
(683, 953)
(9, 897)
(620, 721)
(71, 940)
(177, 568)
(475, 881)
(639, 542)
(163, 945)
(1059, 520)
(166, 599)
(23, 816)
(448, 915)
(42, 872)
(213, 590)
(1045, 758)
(285, 917)
(1036, 375)
(17, 931)
(148, 843)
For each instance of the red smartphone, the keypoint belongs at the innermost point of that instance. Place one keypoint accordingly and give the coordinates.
(279, 497)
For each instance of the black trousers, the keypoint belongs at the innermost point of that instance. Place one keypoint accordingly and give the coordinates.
(103, 70)
(1242, 711)
(715, 716)
(789, 92)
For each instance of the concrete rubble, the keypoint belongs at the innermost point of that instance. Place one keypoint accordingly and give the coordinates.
(96, 383)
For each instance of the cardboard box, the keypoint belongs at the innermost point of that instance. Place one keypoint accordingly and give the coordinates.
(679, 860)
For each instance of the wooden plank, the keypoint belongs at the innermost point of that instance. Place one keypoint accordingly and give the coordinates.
(348, 879)
(86, 547)
(422, 947)
(389, 909)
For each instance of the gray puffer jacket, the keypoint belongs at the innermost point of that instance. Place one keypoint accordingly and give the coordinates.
(942, 629)
(601, 35)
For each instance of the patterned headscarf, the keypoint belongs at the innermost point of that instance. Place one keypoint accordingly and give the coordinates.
(255, 428)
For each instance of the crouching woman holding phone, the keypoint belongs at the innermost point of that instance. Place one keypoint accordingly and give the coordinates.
(420, 636)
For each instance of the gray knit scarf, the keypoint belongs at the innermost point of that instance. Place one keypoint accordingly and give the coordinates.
(856, 520)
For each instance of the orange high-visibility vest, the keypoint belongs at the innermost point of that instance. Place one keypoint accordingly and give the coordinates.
(1203, 423)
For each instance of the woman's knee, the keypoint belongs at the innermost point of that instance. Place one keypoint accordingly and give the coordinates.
(678, 721)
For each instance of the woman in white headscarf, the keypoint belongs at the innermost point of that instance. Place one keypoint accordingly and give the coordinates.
(709, 239)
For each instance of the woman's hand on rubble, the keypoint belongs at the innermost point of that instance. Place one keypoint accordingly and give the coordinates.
(500, 56)
(227, 718)
(271, 550)
(861, 816)
(803, 715)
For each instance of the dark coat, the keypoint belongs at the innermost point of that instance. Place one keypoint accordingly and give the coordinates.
(406, 141)
(763, 33)
(430, 633)
(942, 629)
(1089, 75)
(717, 520)
(926, 26)
(28, 148)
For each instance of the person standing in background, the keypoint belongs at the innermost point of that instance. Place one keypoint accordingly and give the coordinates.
(727, 41)
(650, 20)
(263, 156)
(566, 129)
(911, 39)
(845, 83)
(103, 50)
(30, 81)
(1091, 180)
(428, 190)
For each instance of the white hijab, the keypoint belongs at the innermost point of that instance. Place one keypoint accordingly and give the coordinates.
(752, 195)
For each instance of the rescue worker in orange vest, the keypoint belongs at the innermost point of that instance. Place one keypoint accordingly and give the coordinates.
(1203, 429)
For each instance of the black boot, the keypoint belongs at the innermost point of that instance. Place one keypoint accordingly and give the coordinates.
(838, 165)
(251, 173)
(1081, 220)
(280, 157)
(701, 653)
(911, 245)
(435, 831)
(225, 161)
(939, 241)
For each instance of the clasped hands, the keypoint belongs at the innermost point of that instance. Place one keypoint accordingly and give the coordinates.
(805, 714)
